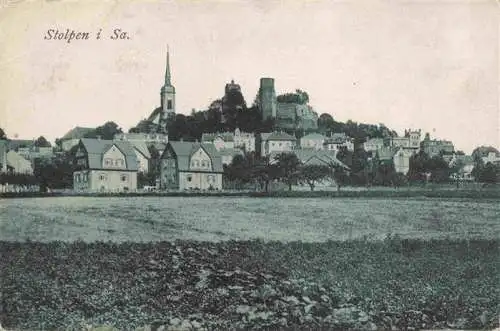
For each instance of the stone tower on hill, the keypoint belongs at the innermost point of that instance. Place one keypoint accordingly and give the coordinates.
(292, 115)
(267, 98)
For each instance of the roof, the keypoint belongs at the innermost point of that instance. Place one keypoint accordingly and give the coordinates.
(141, 147)
(77, 132)
(309, 157)
(97, 147)
(17, 161)
(155, 113)
(277, 136)
(18, 143)
(185, 149)
(313, 136)
(210, 137)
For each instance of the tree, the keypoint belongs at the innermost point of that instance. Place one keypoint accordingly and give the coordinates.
(489, 174)
(341, 176)
(106, 131)
(3, 136)
(325, 123)
(312, 173)
(42, 142)
(288, 166)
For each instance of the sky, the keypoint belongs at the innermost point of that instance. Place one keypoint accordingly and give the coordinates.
(429, 65)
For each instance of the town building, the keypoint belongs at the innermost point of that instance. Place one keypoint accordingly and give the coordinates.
(399, 157)
(224, 144)
(143, 156)
(436, 147)
(373, 145)
(105, 166)
(244, 141)
(312, 141)
(276, 141)
(191, 166)
(410, 140)
(338, 141)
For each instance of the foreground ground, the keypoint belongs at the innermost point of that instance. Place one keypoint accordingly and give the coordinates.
(359, 284)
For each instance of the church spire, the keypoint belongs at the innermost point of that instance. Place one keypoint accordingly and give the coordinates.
(167, 71)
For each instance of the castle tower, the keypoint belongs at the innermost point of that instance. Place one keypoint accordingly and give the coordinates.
(267, 98)
(167, 94)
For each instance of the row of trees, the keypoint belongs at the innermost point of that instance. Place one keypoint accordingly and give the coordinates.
(285, 168)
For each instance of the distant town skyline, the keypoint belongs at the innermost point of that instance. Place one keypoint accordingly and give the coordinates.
(419, 65)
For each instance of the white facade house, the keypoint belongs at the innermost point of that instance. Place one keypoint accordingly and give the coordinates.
(276, 142)
(312, 141)
(244, 141)
(401, 159)
(105, 166)
(373, 145)
(191, 166)
(337, 141)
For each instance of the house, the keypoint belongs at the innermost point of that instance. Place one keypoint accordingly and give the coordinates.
(398, 157)
(105, 166)
(436, 147)
(312, 141)
(337, 141)
(225, 144)
(492, 157)
(373, 145)
(244, 141)
(18, 164)
(190, 165)
(73, 136)
(276, 142)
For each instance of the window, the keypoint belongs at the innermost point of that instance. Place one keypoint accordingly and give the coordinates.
(123, 178)
(203, 164)
(102, 177)
(169, 104)
(189, 178)
(108, 162)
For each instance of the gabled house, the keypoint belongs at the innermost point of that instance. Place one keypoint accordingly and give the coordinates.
(276, 142)
(190, 166)
(312, 141)
(105, 166)
(373, 145)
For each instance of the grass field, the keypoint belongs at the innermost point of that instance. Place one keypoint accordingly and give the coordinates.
(237, 218)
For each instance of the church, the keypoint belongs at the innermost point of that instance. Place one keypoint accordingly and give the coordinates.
(158, 120)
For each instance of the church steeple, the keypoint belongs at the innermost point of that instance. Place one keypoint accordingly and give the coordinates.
(168, 77)
(167, 94)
